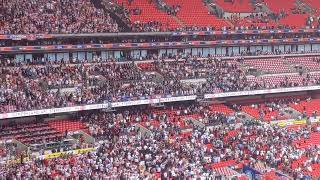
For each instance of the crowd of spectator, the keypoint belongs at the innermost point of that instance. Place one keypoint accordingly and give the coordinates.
(29, 87)
(58, 16)
(152, 26)
(254, 21)
(61, 84)
(125, 152)
(62, 16)
(225, 76)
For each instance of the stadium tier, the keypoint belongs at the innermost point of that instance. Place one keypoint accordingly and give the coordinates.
(159, 89)
(153, 16)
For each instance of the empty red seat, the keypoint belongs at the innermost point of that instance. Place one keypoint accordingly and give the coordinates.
(195, 13)
(235, 6)
(67, 125)
(150, 13)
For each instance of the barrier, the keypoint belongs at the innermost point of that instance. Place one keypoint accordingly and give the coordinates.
(150, 45)
(95, 106)
(60, 154)
(290, 122)
(259, 92)
(152, 101)
(183, 33)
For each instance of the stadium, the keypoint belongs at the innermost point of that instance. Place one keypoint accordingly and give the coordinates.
(160, 89)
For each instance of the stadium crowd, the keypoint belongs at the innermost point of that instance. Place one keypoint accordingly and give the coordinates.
(166, 152)
(61, 84)
(43, 86)
(58, 16)
(171, 141)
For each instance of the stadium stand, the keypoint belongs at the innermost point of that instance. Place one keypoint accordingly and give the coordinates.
(294, 20)
(148, 17)
(312, 64)
(195, 14)
(159, 89)
(77, 84)
(308, 107)
(275, 6)
(144, 15)
(236, 6)
(33, 133)
(269, 65)
(24, 17)
(63, 126)
(264, 112)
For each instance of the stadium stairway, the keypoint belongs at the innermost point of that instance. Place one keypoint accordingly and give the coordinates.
(124, 25)
(292, 113)
(195, 13)
(145, 132)
(149, 12)
(178, 20)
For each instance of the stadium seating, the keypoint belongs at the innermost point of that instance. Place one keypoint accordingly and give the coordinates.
(225, 171)
(231, 134)
(234, 6)
(150, 17)
(315, 169)
(149, 115)
(276, 81)
(278, 6)
(254, 22)
(31, 133)
(67, 125)
(221, 108)
(290, 20)
(195, 13)
(270, 175)
(269, 65)
(150, 13)
(307, 106)
(173, 118)
(308, 62)
(147, 66)
(295, 164)
(267, 113)
(313, 140)
(313, 4)
(294, 20)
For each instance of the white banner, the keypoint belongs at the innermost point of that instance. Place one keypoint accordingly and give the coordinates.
(94, 106)
(181, 98)
(258, 92)
(152, 101)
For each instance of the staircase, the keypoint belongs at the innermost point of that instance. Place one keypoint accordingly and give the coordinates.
(123, 26)
(150, 13)
(179, 21)
(292, 113)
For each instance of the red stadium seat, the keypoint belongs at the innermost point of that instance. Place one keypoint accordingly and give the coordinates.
(235, 6)
(195, 13)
